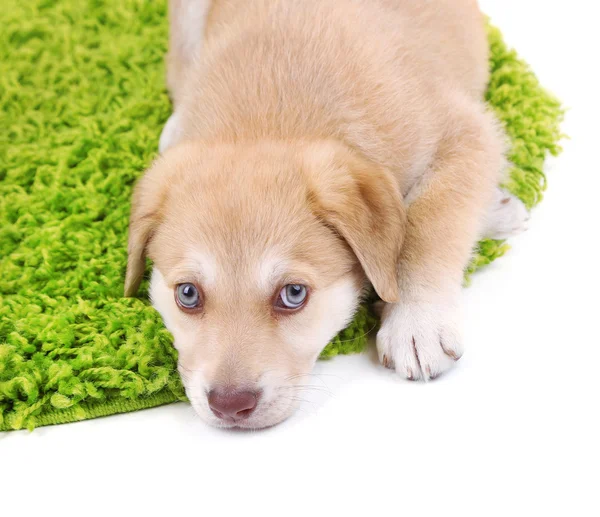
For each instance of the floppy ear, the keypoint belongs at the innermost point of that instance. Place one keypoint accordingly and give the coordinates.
(146, 206)
(362, 202)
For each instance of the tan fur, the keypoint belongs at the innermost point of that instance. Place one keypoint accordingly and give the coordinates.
(301, 128)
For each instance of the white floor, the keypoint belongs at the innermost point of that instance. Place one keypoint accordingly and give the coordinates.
(513, 430)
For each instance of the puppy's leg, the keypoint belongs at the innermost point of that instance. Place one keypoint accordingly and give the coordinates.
(187, 20)
(419, 336)
(506, 216)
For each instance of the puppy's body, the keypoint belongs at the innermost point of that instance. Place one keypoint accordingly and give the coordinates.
(316, 143)
(384, 77)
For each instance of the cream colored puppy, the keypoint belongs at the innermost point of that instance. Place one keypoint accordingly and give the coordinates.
(316, 146)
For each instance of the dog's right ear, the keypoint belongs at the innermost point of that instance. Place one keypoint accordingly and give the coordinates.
(147, 204)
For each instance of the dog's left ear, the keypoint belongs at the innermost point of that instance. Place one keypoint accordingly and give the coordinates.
(146, 206)
(362, 202)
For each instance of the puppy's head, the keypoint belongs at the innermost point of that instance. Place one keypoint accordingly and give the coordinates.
(260, 256)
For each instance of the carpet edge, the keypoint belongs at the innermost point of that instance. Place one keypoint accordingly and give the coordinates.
(91, 411)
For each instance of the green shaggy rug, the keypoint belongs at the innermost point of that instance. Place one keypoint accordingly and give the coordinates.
(82, 103)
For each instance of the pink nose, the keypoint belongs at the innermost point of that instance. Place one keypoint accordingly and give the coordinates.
(232, 404)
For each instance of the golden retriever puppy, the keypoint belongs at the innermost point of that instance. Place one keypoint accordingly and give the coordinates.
(316, 147)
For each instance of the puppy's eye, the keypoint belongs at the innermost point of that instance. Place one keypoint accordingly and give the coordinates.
(292, 296)
(188, 297)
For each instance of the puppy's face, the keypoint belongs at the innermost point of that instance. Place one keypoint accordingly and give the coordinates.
(260, 256)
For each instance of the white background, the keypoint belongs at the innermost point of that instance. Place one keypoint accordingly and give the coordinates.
(513, 430)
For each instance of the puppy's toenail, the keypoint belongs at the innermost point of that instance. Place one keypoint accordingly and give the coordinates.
(387, 362)
(430, 375)
(450, 353)
(505, 200)
(409, 374)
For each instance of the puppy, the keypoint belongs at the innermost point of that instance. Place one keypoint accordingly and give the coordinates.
(316, 147)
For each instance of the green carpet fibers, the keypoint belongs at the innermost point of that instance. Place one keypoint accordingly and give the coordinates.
(82, 103)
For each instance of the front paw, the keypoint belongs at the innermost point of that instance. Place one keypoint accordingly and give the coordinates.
(419, 340)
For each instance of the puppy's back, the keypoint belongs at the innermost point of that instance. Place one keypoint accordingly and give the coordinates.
(371, 73)
(449, 33)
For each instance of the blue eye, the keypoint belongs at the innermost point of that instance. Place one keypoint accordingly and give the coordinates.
(292, 296)
(187, 296)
